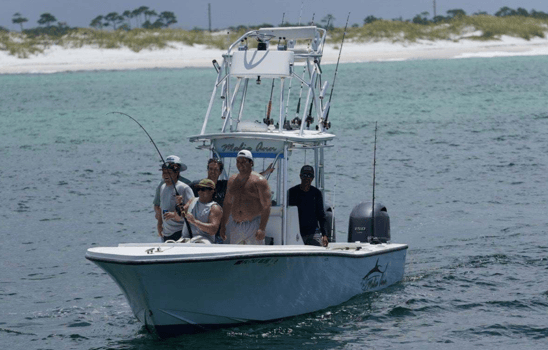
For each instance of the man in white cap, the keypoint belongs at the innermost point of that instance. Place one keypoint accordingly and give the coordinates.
(172, 229)
(247, 204)
(156, 202)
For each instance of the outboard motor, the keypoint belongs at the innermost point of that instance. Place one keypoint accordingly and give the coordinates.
(360, 225)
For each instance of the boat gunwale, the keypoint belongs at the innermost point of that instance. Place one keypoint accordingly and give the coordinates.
(250, 255)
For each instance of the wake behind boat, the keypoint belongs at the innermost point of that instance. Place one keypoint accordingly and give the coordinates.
(176, 288)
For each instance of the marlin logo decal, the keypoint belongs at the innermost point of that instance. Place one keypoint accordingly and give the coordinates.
(374, 278)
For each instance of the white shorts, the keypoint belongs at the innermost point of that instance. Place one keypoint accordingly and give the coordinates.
(243, 232)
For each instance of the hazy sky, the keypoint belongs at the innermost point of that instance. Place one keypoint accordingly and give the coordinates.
(224, 13)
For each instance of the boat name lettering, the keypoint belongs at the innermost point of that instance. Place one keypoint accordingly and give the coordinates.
(375, 278)
(231, 147)
(264, 261)
(261, 148)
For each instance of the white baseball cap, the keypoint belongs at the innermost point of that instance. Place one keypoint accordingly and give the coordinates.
(176, 160)
(246, 154)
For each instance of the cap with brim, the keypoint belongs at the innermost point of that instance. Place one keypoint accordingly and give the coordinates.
(307, 169)
(206, 183)
(175, 160)
(246, 154)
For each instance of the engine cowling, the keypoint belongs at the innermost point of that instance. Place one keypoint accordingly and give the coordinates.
(362, 228)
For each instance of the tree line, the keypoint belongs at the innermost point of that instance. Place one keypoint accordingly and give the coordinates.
(143, 17)
(504, 11)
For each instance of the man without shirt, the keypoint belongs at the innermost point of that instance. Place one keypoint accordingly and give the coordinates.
(247, 204)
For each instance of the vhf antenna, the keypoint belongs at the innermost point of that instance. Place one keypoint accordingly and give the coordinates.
(374, 167)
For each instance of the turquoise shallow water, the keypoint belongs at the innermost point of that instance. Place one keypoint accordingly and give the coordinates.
(462, 168)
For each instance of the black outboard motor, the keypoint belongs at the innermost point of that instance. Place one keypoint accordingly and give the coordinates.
(360, 226)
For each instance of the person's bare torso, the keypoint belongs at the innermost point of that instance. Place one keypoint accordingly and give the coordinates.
(246, 203)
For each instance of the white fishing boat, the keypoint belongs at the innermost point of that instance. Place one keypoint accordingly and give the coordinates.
(175, 288)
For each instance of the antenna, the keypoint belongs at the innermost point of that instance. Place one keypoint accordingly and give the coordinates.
(374, 167)
(209, 15)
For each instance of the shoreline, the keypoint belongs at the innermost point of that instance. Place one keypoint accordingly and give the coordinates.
(57, 59)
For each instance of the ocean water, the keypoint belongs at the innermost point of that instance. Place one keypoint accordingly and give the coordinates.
(462, 157)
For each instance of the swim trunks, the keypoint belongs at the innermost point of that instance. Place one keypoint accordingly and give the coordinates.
(243, 232)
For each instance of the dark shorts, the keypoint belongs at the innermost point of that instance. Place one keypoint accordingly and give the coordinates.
(174, 236)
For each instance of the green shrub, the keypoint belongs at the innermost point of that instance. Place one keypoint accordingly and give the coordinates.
(35, 40)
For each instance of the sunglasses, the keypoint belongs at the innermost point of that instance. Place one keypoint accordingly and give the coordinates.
(169, 167)
(204, 189)
(309, 176)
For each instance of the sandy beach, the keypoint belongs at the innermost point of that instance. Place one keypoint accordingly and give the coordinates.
(58, 59)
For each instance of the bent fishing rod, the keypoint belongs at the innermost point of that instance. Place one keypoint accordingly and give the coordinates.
(326, 123)
(165, 166)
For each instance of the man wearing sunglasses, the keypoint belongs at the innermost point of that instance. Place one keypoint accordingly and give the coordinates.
(202, 213)
(309, 202)
(156, 202)
(171, 229)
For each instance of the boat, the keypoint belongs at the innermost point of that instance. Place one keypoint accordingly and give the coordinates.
(186, 287)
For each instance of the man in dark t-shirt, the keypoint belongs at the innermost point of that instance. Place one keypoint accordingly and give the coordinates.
(214, 170)
(309, 201)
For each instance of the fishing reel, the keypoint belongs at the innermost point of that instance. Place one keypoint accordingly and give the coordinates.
(309, 120)
(326, 125)
(268, 121)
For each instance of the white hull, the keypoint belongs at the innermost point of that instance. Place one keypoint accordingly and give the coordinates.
(191, 287)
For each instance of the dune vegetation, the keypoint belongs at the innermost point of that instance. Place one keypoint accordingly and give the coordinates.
(457, 26)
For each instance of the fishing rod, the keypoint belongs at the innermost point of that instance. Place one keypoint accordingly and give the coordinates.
(268, 120)
(165, 166)
(374, 166)
(325, 122)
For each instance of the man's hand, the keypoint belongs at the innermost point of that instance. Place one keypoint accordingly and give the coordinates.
(190, 218)
(222, 232)
(325, 242)
(260, 234)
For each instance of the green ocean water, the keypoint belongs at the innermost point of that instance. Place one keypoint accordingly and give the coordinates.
(461, 166)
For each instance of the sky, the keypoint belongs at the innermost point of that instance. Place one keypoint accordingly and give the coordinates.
(225, 13)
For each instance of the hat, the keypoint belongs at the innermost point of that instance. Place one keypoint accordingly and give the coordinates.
(307, 169)
(176, 160)
(206, 183)
(246, 154)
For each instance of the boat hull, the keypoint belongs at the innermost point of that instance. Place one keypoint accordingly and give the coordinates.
(194, 293)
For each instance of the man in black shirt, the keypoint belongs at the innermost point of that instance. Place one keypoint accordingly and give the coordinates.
(214, 171)
(309, 201)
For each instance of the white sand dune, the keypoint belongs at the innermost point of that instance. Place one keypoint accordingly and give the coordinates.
(59, 59)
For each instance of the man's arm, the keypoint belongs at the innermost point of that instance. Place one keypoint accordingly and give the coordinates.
(320, 215)
(266, 202)
(159, 221)
(212, 225)
(157, 209)
(227, 207)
